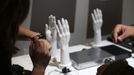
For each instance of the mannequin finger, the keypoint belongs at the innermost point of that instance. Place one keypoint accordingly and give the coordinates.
(31, 47)
(97, 14)
(46, 27)
(60, 27)
(49, 18)
(93, 17)
(48, 32)
(54, 21)
(50, 21)
(58, 31)
(67, 25)
(64, 25)
(100, 13)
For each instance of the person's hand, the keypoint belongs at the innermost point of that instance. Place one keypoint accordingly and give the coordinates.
(122, 32)
(97, 24)
(64, 38)
(40, 53)
(101, 69)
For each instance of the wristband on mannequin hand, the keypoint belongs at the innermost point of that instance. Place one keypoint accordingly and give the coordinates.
(38, 36)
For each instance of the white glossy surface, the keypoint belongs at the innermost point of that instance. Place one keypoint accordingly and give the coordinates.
(25, 61)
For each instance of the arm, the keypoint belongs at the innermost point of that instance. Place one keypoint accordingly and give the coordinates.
(40, 56)
(26, 32)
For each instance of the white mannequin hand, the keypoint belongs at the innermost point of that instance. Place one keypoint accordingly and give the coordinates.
(64, 37)
(97, 24)
(97, 19)
(51, 34)
(63, 32)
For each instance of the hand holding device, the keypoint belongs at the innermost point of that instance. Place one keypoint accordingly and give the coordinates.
(97, 24)
(39, 52)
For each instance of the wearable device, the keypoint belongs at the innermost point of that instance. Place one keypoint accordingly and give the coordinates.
(38, 36)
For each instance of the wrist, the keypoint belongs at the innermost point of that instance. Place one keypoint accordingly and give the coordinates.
(38, 70)
(39, 67)
(65, 47)
(98, 32)
(38, 36)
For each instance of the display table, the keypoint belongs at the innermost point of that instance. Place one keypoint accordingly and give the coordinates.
(25, 61)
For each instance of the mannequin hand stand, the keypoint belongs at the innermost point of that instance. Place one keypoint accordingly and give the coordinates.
(97, 24)
(64, 38)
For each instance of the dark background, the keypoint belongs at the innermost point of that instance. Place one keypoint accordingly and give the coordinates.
(60, 8)
(112, 15)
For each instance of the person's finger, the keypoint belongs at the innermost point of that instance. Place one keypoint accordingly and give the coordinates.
(31, 48)
(116, 32)
(50, 48)
(43, 46)
(123, 36)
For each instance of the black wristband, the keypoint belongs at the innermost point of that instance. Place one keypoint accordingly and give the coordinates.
(39, 36)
